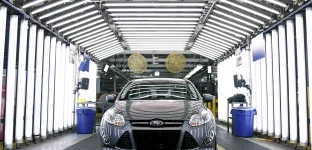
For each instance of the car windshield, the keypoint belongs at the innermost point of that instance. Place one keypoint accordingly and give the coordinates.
(159, 91)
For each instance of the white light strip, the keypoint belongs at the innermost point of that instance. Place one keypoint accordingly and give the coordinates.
(246, 9)
(203, 54)
(90, 33)
(62, 87)
(224, 30)
(74, 19)
(122, 27)
(222, 33)
(264, 97)
(45, 87)
(156, 37)
(102, 44)
(204, 37)
(3, 18)
(229, 27)
(158, 22)
(138, 30)
(156, 32)
(38, 82)
(110, 46)
(152, 4)
(97, 40)
(156, 42)
(155, 9)
(232, 23)
(159, 46)
(83, 27)
(51, 86)
(240, 14)
(269, 71)
(206, 51)
(49, 6)
(148, 35)
(109, 51)
(57, 94)
(276, 84)
(108, 55)
(202, 47)
(292, 81)
(103, 33)
(156, 49)
(235, 18)
(63, 9)
(212, 45)
(257, 93)
(302, 83)
(10, 85)
(283, 78)
(87, 31)
(214, 35)
(155, 14)
(30, 82)
(80, 23)
(21, 82)
(156, 19)
(262, 7)
(277, 2)
(309, 53)
(196, 69)
(32, 3)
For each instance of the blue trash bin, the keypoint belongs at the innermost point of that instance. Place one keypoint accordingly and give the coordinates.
(85, 120)
(243, 121)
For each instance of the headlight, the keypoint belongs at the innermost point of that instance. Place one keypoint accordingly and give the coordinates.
(113, 118)
(200, 119)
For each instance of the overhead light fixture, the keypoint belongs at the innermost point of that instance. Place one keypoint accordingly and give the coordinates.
(158, 22)
(155, 26)
(224, 30)
(211, 45)
(91, 33)
(88, 31)
(32, 3)
(157, 44)
(155, 49)
(229, 27)
(139, 30)
(103, 44)
(80, 23)
(51, 86)
(208, 55)
(155, 9)
(103, 33)
(156, 40)
(240, 14)
(108, 50)
(277, 2)
(216, 40)
(98, 40)
(149, 35)
(111, 46)
(156, 32)
(49, 6)
(106, 68)
(157, 73)
(83, 27)
(223, 33)
(74, 19)
(157, 37)
(155, 19)
(215, 35)
(109, 53)
(262, 7)
(235, 18)
(232, 23)
(210, 50)
(112, 4)
(196, 69)
(155, 14)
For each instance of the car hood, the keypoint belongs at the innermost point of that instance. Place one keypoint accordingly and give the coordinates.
(158, 109)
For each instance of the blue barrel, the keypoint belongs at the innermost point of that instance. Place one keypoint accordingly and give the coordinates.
(85, 120)
(243, 121)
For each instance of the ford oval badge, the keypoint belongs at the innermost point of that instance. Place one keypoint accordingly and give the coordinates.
(156, 123)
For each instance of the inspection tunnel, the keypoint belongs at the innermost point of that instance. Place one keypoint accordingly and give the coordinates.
(155, 74)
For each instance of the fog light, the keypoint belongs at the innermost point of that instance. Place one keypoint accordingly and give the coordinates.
(106, 141)
(207, 141)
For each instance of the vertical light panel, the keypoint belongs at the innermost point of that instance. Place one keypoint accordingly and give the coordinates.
(21, 82)
(264, 97)
(45, 87)
(10, 86)
(30, 81)
(292, 81)
(253, 88)
(309, 53)
(302, 84)
(259, 95)
(37, 110)
(269, 66)
(276, 84)
(3, 18)
(283, 78)
(61, 99)
(66, 88)
(57, 86)
(51, 86)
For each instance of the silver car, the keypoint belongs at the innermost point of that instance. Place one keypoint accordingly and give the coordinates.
(158, 113)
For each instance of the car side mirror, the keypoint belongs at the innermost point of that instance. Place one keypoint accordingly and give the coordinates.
(208, 98)
(110, 98)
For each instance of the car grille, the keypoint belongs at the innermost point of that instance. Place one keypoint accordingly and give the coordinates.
(145, 123)
(153, 139)
(124, 141)
(188, 141)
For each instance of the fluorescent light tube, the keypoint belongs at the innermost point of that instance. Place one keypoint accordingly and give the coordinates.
(309, 53)
(102, 44)
(200, 53)
(225, 30)
(198, 46)
(155, 19)
(175, 14)
(264, 97)
(102, 55)
(196, 69)
(3, 18)
(32, 3)
(57, 94)
(49, 6)
(262, 7)
(222, 33)
(269, 71)
(155, 49)
(156, 32)
(80, 23)
(246, 9)
(97, 40)
(30, 82)
(21, 82)
(160, 44)
(139, 30)
(38, 82)
(106, 68)
(156, 37)
(232, 23)
(302, 83)
(111, 50)
(51, 85)
(148, 35)
(90, 33)
(156, 42)
(83, 27)
(45, 87)
(103, 33)
(240, 14)
(205, 51)
(216, 40)
(63, 9)
(106, 56)
(229, 27)
(67, 21)
(152, 4)
(87, 31)
(277, 2)
(258, 94)
(217, 36)
(62, 87)
(158, 22)
(10, 85)
(211, 45)
(135, 27)
(155, 10)
(111, 46)
(235, 18)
